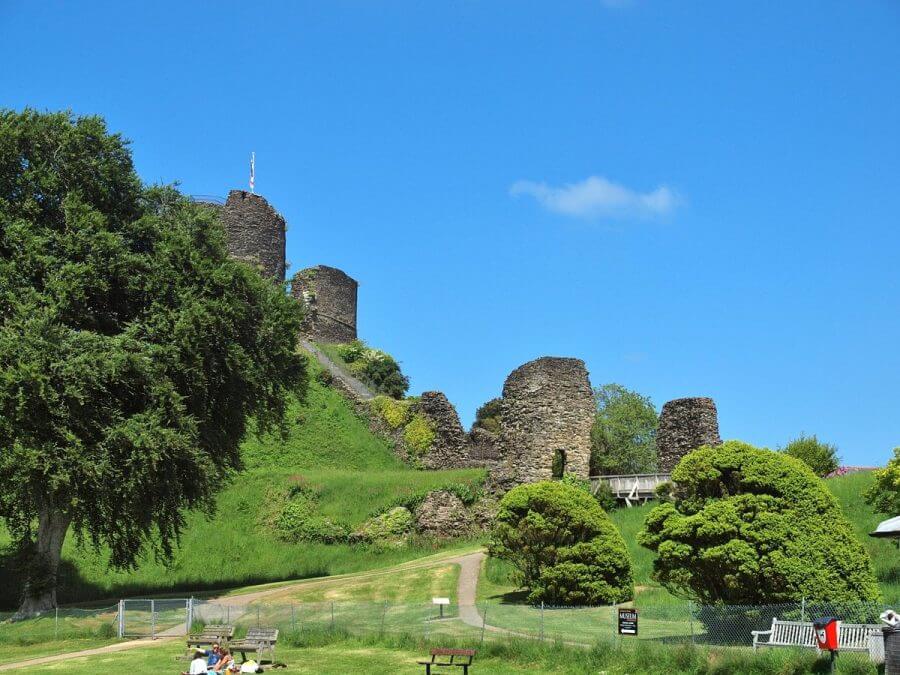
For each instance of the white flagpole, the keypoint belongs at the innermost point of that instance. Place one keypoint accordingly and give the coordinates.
(252, 171)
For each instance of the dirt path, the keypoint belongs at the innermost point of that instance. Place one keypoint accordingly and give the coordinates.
(173, 634)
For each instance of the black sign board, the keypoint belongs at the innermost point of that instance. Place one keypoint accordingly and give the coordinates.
(628, 621)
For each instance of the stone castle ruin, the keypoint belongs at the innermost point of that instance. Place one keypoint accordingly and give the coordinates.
(684, 425)
(329, 297)
(255, 232)
(548, 410)
(450, 446)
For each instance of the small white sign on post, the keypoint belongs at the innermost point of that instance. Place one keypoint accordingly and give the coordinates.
(440, 602)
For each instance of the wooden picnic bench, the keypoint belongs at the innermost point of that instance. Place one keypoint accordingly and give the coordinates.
(464, 660)
(211, 633)
(852, 637)
(259, 641)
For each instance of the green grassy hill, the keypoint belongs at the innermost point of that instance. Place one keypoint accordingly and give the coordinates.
(328, 448)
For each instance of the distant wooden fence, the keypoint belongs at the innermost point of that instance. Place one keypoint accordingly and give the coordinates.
(634, 488)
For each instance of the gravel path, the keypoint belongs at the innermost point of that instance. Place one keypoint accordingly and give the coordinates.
(358, 387)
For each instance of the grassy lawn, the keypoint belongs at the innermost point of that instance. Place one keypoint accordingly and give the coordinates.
(330, 449)
(340, 654)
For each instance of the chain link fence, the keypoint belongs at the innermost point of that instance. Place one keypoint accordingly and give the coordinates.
(668, 622)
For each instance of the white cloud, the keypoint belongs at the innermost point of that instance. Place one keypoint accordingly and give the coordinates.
(597, 197)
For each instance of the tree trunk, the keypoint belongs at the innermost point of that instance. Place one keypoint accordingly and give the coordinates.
(40, 589)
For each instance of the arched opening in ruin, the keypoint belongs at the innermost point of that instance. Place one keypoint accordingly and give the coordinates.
(559, 463)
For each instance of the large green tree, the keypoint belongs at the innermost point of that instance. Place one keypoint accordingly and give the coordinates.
(133, 350)
(749, 526)
(623, 438)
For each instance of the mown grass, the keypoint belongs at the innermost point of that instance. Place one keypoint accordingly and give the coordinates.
(327, 447)
(332, 654)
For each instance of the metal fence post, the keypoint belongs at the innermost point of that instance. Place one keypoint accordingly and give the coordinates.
(257, 616)
(542, 620)
(383, 613)
(803, 608)
(332, 616)
(56, 625)
(293, 620)
(483, 622)
(153, 619)
(121, 631)
(189, 620)
(690, 607)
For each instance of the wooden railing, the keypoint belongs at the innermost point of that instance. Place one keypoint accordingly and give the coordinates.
(633, 488)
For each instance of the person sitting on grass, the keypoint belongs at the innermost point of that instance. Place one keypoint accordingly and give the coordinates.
(225, 660)
(214, 656)
(198, 664)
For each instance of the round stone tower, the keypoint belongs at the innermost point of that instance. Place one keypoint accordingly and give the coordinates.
(255, 232)
(684, 425)
(547, 411)
(329, 297)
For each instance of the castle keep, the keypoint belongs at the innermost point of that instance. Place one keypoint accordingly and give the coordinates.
(255, 232)
(329, 297)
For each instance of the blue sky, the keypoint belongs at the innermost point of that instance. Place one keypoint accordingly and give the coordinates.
(697, 198)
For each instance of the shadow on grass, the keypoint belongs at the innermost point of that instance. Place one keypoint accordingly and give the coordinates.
(74, 588)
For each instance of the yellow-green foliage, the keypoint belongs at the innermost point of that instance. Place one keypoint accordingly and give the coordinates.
(419, 434)
(395, 413)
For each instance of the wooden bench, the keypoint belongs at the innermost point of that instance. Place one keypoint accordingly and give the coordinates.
(852, 637)
(464, 660)
(259, 641)
(211, 633)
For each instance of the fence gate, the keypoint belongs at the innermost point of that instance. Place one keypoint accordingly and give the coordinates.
(154, 618)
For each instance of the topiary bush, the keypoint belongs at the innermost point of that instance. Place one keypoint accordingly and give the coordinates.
(748, 526)
(820, 457)
(563, 546)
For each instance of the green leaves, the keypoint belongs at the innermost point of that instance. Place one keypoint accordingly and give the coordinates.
(623, 438)
(565, 548)
(751, 526)
(133, 350)
(884, 494)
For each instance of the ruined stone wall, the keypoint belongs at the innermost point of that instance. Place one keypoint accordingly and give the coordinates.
(684, 425)
(255, 233)
(329, 296)
(450, 446)
(548, 405)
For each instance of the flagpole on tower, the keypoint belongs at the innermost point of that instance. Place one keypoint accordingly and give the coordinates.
(252, 171)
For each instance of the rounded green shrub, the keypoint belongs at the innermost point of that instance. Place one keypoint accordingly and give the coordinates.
(748, 526)
(488, 415)
(820, 457)
(563, 546)
(389, 529)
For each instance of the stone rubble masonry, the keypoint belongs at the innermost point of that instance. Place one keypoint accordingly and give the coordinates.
(450, 447)
(255, 233)
(684, 425)
(329, 298)
(443, 514)
(548, 405)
